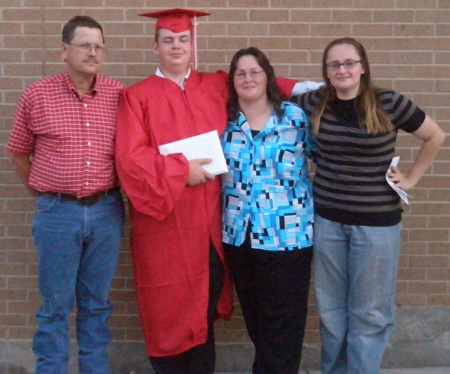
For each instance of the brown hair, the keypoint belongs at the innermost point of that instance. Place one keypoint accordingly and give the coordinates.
(272, 90)
(370, 113)
(69, 28)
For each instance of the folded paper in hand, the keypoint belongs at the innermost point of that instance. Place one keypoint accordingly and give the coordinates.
(405, 197)
(206, 145)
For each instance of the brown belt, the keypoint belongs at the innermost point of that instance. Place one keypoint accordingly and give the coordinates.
(85, 200)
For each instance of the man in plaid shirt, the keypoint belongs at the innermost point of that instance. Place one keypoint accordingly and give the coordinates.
(62, 146)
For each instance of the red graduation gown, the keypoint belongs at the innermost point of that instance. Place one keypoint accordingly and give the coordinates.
(172, 223)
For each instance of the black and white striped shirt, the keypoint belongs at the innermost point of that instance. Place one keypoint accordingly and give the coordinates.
(350, 185)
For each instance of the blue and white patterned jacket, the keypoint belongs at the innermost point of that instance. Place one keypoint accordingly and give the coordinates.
(268, 182)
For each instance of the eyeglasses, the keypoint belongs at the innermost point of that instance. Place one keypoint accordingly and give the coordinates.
(347, 64)
(253, 74)
(87, 47)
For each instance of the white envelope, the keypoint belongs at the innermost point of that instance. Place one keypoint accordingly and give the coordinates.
(206, 145)
(405, 197)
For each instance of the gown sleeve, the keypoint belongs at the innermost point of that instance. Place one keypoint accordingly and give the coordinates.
(291, 87)
(286, 86)
(152, 182)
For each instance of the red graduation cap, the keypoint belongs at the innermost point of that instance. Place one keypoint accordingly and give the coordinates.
(178, 20)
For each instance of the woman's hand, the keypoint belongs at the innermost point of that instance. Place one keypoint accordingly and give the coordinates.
(399, 179)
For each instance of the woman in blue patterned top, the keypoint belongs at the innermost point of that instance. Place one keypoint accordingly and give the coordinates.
(268, 211)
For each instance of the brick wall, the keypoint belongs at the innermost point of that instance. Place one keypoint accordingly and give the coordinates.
(408, 42)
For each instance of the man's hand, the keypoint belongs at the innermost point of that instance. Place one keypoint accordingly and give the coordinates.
(22, 166)
(197, 174)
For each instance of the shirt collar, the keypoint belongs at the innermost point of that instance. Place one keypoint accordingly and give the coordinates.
(72, 87)
(182, 83)
(241, 122)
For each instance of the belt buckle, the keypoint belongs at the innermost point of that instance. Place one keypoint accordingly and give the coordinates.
(92, 199)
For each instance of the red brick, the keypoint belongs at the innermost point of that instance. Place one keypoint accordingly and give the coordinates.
(428, 287)
(411, 299)
(429, 261)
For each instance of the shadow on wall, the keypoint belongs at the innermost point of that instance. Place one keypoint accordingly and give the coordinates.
(9, 368)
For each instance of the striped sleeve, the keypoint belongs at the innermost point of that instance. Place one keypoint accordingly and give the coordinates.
(403, 112)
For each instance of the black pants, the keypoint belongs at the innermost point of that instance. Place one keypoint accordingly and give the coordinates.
(202, 358)
(272, 288)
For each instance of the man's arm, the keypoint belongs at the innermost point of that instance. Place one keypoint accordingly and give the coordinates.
(291, 87)
(22, 166)
(153, 183)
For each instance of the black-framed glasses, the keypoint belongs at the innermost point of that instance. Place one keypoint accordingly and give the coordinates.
(347, 64)
(87, 47)
(252, 73)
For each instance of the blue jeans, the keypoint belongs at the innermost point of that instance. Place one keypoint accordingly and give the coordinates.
(78, 248)
(355, 270)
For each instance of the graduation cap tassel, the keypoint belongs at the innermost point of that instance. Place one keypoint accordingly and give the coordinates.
(195, 43)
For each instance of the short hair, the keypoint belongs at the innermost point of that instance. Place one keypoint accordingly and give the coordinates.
(157, 32)
(69, 28)
(272, 90)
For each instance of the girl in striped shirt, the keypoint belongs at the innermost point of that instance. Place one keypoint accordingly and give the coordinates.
(357, 224)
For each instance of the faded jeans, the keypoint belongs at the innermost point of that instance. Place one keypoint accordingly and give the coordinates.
(355, 270)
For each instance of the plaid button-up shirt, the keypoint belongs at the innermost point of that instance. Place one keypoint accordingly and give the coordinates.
(70, 138)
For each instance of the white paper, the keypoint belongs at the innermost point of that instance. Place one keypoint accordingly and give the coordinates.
(206, 145)
(405, 197)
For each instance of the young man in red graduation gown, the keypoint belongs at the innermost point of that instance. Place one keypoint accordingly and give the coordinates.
(181, 277)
